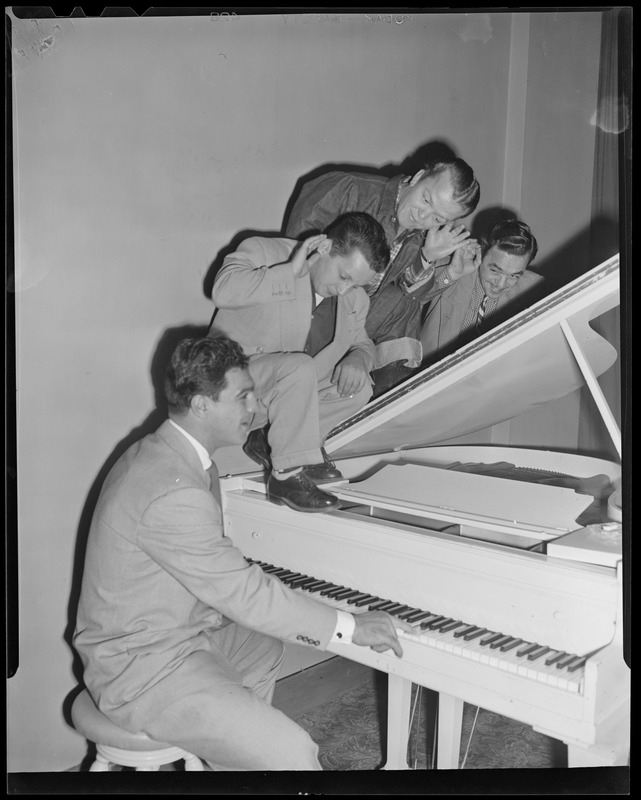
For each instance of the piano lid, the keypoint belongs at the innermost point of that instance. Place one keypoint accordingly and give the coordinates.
(540, 354)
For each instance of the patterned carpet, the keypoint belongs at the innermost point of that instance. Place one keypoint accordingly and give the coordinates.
(350, 733)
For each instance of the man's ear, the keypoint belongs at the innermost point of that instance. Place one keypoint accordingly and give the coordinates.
(198, 405)
(417, 177)
(324, 247)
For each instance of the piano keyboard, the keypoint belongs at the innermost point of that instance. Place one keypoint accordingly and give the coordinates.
(492, 648)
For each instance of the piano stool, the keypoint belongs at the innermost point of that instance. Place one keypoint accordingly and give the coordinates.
(117, 746)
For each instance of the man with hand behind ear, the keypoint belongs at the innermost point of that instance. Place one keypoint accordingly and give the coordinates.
(298, 310)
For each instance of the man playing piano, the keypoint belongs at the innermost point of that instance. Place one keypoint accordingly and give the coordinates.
(298, 310)
(179, 635)
(496, 285)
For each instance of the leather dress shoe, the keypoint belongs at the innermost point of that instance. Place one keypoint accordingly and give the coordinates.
(257, 448)
(325, 472)
(300, 493)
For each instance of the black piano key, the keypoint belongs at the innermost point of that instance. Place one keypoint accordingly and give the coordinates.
(398, 611)
(432, 624)
(498, 642)
(309, 583)
(346, 592)
(538, 653)
(492, 637)
(384, 606)
(417, 616)
(466, 629)
(577, 664)
(349, 594)
(361, 599)
(450, 626)
(316, 586)
(287, 580)
(270, 569)
(527, 650)
(394, 607)
(504, 648)
(330, 588)
(474, 634)
(565, 662)
(367, 599)
(432, 618)
(295, 575)
(381, 605)
(407, 615)
(286, 573)
(297, 583)
(331, 593)
(554, 657)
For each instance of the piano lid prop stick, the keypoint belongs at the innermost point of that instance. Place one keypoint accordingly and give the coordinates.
(602, 405)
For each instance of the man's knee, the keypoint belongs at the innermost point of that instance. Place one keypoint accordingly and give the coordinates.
(299, 364)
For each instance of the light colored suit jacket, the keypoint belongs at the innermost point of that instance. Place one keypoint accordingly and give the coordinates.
(266, 309)
(441, 331)
(158, 573)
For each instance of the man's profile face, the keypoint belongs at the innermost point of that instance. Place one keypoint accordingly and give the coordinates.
(333, 275)
(500, 271)
(231, 415)
(427, 203)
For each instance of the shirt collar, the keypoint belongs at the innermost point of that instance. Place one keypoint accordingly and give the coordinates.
(405, 182)
(203, 455)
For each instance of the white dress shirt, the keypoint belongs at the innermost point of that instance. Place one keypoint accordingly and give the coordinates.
(345, 622)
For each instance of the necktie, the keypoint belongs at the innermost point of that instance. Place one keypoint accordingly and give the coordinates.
(214, 486)
(481, 312)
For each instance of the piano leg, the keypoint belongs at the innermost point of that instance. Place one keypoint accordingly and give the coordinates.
(450, 720)
(399, 695)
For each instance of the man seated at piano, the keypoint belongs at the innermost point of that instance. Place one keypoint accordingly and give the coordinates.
(298, 310)
(496, 285)
(179, 635)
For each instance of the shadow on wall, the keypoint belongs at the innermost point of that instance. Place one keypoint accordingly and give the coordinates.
(589, 248)
(409, 166)
(486, 219)
(160, 359)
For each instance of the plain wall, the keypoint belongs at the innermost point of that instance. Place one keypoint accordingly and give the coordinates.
(141, 147)
(557, 188)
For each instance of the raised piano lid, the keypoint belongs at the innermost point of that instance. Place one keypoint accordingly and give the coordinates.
(519, 365)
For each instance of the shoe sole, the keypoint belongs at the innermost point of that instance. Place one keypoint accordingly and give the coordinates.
(282, 502)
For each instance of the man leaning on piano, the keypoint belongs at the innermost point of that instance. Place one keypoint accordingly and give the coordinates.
(298, 310)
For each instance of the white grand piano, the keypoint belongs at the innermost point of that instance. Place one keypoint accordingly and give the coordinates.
(506, 561)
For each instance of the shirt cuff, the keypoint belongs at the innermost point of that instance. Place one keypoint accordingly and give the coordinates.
(344, 630)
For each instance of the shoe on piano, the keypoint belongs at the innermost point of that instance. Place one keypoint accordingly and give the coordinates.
(324, 472)
(300, 493)
(257, 448)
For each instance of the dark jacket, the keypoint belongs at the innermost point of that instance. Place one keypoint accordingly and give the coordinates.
(393, 313)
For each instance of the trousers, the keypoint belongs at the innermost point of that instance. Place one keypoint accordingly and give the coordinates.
(232, 725)
(300, 408)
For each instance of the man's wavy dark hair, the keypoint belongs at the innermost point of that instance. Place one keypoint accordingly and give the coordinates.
(511, 236)
(200, 366)
(359, 231)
